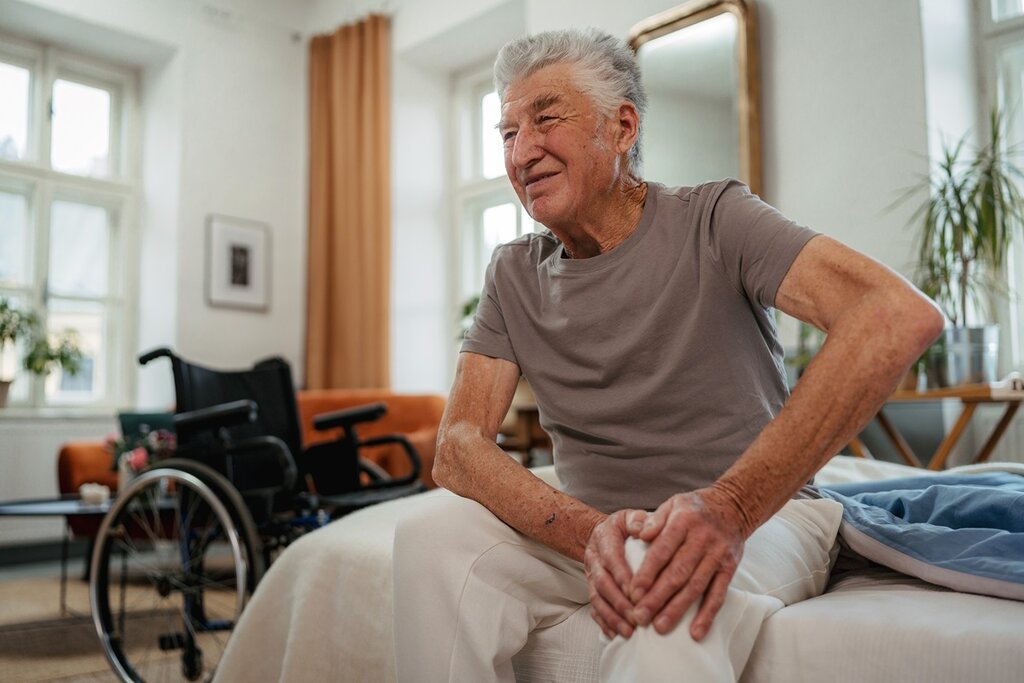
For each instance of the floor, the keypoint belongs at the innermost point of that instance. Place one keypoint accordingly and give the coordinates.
(32, 626)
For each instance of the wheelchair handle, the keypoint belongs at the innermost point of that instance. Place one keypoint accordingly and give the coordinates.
(161, 352)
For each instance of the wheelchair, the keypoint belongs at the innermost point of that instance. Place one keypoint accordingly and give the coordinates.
(185, 543)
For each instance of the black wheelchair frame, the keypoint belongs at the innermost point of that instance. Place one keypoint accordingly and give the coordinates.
(185, 543)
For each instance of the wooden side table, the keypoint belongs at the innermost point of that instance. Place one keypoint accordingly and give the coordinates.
(1009, 393)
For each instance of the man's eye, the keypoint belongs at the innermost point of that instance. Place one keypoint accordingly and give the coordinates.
(508, 135)
(545, 119)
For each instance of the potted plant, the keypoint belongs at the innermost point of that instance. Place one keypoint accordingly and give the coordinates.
(973, 211)
(43, 352)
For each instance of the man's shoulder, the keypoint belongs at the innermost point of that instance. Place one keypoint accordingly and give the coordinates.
(527, 250)
(703, 194)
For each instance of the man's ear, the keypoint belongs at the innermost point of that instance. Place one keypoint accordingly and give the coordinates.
(628, 121)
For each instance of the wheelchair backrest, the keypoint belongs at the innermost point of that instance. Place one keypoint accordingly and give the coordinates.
(268, 383)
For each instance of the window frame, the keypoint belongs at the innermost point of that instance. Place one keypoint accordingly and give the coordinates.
(473, 193)
(117, 193)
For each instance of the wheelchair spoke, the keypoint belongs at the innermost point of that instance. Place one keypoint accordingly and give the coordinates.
(172, 581)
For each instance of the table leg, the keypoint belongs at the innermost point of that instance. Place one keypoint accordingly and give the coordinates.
(939, 459)
(997, 433)
(859, 449)
(65, 541)
(897, 439)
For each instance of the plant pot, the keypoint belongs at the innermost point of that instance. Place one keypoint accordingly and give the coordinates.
(965, 355)
(5, 387)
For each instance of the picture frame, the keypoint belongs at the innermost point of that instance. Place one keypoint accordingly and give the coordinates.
(237, 263)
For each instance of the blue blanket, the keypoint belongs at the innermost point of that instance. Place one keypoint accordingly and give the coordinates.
(965, 532)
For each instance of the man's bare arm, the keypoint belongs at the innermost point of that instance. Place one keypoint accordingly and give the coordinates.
(469, 463)
(877, 326)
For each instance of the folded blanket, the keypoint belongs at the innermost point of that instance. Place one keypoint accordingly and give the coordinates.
(965, 532)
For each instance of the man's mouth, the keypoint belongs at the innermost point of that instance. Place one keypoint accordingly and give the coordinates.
(536, 178)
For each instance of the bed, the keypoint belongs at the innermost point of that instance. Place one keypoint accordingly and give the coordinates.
(323, 612)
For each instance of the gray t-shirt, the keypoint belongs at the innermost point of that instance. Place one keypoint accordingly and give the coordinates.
(655, 364)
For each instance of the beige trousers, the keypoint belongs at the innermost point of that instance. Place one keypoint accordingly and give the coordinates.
(469, 590)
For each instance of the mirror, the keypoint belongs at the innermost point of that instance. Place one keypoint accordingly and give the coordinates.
(699, 65)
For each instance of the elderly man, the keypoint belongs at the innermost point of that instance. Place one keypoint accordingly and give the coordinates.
(642, 320)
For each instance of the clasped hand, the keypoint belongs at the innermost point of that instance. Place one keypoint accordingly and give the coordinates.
(695, 547)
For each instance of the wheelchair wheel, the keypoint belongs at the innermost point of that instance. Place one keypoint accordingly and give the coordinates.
(170, 575)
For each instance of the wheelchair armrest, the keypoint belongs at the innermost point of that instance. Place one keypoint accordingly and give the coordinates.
(215, 417)
(410, 452)
(347, 418)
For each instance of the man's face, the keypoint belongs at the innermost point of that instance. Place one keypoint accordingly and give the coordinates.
(560, 152)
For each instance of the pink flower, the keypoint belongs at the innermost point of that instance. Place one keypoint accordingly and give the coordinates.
(138, 458)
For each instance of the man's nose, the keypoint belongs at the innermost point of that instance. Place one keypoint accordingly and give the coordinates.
(526, 148)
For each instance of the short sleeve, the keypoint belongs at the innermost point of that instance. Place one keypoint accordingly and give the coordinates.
(488, 335)
(750, 241)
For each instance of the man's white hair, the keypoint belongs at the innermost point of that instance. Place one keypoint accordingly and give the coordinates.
(604, 66)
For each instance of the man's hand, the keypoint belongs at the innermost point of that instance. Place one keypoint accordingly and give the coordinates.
(696, 542)
(608, 574)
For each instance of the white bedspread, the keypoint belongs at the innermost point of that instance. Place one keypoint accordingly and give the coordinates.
(323, 613)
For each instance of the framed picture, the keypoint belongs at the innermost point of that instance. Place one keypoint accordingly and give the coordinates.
(237, 263)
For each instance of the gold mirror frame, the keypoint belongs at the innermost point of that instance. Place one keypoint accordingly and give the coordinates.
(747, 81)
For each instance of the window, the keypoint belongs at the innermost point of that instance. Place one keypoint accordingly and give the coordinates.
(1001, 33)
(66, 192)
(487, 209)
(1006, 9)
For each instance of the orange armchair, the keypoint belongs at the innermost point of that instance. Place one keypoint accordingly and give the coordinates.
(417, 417)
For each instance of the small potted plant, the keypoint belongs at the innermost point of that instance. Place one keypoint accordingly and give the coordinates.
(973, 212)
(43, 352)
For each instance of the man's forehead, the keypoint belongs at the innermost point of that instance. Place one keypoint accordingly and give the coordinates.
(537, 103)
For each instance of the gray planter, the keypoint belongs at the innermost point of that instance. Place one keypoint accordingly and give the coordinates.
(964, 355)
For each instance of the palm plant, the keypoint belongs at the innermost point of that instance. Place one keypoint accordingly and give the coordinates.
(974, 209)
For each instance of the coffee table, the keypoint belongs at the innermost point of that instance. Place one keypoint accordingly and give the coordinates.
(48, 507)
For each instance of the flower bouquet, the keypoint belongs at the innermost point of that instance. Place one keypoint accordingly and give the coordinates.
(132, 455)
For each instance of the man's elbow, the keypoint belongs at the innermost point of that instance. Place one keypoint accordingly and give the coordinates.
(442, 468)
(446, 466)
(921, 321)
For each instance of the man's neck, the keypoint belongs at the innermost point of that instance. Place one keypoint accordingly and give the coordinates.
(614, 224)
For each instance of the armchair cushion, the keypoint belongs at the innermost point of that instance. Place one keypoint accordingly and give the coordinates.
(81, 463)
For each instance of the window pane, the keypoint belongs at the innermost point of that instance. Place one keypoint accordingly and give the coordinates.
(14, 97)
(527, 224)
(79, 249)
(81, 129)
(499, 226)
(14, 240)
(493, 159)
(88, 321)
(1006, 9)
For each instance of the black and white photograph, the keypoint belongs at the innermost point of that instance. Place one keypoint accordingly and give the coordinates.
(237, 274)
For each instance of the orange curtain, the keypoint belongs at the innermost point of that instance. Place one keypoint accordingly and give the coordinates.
(349, 208)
